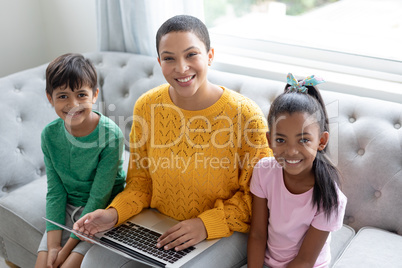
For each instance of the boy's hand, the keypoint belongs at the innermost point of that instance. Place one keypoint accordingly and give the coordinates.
(183, 235)
(65, 251)
(98, 221)
(52, 255)
(61, 257)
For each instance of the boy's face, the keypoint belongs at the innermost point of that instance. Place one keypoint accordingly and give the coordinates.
(184, 62)
(74, 107)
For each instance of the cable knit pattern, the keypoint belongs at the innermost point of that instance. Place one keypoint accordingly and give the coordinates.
(192, 164)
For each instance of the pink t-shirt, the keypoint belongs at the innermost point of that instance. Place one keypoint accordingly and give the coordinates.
(290, 215)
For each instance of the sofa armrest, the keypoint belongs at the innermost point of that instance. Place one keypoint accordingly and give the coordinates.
(21, 213)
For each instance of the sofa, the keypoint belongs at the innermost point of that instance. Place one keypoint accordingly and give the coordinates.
(365, 144)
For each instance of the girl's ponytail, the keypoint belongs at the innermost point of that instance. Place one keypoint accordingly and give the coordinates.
(313, 92)
(325, 195)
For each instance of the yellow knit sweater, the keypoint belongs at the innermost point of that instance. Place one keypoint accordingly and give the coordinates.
(192, 164)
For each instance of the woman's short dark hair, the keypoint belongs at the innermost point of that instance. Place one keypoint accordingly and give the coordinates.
(70, 70)
(184, 23)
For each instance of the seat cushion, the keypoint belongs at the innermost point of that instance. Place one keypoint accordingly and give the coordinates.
(21, 213)
(340, 240)
(372, 247)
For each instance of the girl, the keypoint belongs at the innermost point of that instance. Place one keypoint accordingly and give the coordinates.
(211, 134)
(296, 202)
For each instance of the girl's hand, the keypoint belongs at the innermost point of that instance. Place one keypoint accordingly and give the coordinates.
(183, 235)
(52, 255)
(98, 221)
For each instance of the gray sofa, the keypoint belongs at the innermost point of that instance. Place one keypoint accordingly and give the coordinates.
(366, 145)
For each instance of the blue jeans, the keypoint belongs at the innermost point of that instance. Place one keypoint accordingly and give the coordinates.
(226, 253)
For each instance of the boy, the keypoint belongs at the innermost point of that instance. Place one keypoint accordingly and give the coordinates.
(83, 157)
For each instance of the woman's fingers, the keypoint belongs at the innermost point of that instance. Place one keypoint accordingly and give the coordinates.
(183, 235)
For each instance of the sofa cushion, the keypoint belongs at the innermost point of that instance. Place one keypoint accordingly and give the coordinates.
(339, 241)
(21, 213)
(372, 247)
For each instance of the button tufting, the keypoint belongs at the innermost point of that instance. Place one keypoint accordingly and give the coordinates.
(352, 119)
(4, 189)
(126, 95)
(361, 152)
(18, 150)
(17, 90)
(397, 126)
(377, 194)
(112, 107)
(19, 119)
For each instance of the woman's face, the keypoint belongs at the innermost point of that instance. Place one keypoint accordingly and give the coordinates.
(184, 62)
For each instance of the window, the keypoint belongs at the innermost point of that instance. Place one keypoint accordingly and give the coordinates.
(356, 38)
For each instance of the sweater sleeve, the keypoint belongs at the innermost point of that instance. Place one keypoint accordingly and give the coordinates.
(105, 180)
(137, 193)
(56, 197)
(234, 214)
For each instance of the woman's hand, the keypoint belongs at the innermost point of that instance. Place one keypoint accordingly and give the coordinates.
(183, 235)
(98, 221)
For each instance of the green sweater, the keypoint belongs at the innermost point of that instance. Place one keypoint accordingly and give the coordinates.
(82, 171)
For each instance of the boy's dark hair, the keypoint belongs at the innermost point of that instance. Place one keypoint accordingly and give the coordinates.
(184, 23)
(326, 174)
(70, 70)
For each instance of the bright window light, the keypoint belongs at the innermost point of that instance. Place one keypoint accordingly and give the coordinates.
(364, 27)
(353, 37)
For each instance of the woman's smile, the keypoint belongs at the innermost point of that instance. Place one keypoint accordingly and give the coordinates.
(185, 81)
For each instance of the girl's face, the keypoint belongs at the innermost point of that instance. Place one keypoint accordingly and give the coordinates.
(295, 139)
(184, 62)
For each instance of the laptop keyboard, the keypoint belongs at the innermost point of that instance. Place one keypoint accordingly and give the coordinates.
(144, 240)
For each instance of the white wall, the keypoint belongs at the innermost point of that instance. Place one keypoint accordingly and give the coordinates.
(33, 32)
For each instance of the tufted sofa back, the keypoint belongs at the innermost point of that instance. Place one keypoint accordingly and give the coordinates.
(24, 112)
(365, 142)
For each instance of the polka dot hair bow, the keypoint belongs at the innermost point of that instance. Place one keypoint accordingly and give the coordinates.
(296, 86)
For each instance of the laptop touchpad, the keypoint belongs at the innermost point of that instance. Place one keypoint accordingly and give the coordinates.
(164, 225)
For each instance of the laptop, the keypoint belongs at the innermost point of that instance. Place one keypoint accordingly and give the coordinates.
(136, 239)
